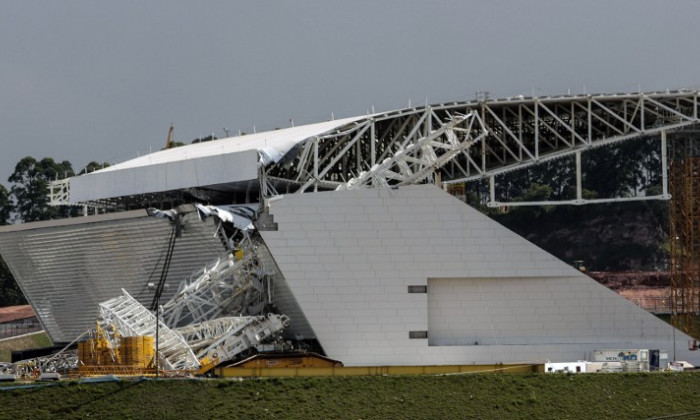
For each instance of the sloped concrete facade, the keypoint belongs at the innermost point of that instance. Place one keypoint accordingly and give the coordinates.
(412, 276)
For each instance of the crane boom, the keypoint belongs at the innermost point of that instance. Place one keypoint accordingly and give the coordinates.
(170, 136)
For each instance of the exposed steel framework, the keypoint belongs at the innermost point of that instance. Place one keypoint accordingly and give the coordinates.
(445, 143)
(684, 211)
(465, 141)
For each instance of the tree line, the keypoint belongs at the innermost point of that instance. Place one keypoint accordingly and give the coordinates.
(608, 237)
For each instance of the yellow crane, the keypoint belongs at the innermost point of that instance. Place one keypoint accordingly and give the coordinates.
(170, 135)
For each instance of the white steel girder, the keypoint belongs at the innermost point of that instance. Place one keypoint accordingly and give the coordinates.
(417, 160)
(125, 316)
(220, 340)
(407, 146)
(224, 286)
(511, 133)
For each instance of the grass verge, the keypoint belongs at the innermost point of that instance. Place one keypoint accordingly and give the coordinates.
(29, 341)
(483, 396)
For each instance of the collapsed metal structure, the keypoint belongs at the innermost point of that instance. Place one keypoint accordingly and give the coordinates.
(217, 314)
(196, 331)
(443, 143)
(462, 142)
(448, 144)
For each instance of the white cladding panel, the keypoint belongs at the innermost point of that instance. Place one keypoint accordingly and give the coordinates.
(221, 161)
(530, 311)
(350, 256)
(165, 176)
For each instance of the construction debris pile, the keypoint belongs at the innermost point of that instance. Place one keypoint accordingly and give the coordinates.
(222, 312)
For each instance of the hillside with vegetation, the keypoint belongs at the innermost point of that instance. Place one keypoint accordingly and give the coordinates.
(26, 342)
(630, 235)
(601, 237)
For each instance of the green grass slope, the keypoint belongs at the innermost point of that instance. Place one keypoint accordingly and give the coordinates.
(29, 341)
(493, 396)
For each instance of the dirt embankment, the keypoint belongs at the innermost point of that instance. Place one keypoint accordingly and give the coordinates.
(635, 280)
(649, 289)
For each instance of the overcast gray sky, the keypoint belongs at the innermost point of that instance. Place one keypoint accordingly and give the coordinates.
(102, 80)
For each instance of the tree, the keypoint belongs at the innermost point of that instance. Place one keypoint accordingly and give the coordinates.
(31, 189)
(174, 144)
(10, 294)
(614, 236)
(5, 206)
(623, 169)
(92, 167)
(205, 139)
(9, 291)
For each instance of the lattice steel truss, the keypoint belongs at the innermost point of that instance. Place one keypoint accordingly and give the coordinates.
(223, 339)
(127, 317)
(449, 143)
(465, 141)
(224, 286)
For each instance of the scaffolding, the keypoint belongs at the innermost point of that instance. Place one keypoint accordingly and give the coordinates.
(684, 233)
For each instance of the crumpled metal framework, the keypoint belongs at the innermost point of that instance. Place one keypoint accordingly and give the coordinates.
(457, 142)
(466, 141)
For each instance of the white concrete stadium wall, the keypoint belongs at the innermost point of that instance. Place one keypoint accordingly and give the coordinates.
(350, 256)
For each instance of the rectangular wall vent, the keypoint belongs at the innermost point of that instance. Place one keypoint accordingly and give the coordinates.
(418, 334)
(417, 289)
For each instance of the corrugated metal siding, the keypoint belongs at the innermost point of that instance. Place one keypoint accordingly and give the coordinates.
(67, 269)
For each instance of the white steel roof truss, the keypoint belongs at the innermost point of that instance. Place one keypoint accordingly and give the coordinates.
(615, 115)
(250, 332)
(204, 333)
(130, 318)
(567, 126)
(422, 153)
(521, 131)
(510, 133)
(227, 286)
(337, 157)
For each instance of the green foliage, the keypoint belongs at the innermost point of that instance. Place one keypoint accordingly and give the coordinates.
(10, 294)
(5, 206)
(174, 144)
(92, 167)
(608, 237)
(30, 341)
(204, 139)
(536, 192)
(623, 169)
(9, 291)
(30, 190)
(617, 170)
(619, 236)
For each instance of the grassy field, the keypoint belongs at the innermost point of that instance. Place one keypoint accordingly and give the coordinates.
(33, 341)
(482, 396)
